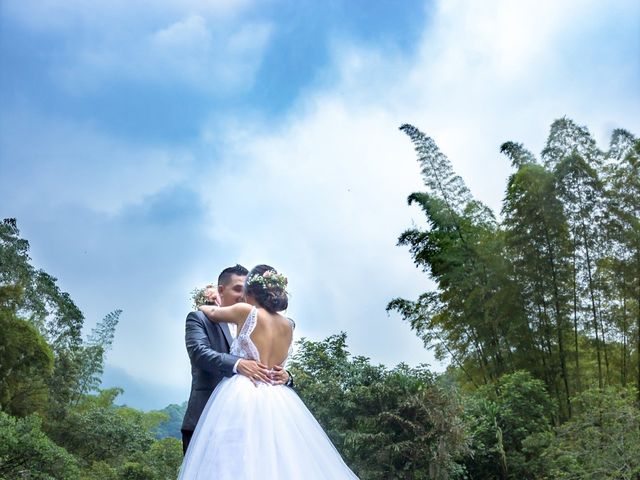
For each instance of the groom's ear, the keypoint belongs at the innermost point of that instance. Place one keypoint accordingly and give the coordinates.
(220, 289)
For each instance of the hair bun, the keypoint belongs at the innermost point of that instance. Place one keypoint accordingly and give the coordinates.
(268, 287)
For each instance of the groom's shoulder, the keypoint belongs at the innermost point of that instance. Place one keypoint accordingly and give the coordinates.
(196, 315)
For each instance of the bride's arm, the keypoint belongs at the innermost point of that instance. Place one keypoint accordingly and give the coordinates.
(237, 314)
(233, 314)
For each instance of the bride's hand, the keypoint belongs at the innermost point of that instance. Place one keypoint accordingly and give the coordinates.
(279, 376)
(254, 371)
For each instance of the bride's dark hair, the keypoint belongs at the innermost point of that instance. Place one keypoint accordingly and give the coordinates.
(269, 290)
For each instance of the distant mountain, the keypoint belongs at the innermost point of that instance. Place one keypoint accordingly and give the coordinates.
(141, 394)
(171, 428)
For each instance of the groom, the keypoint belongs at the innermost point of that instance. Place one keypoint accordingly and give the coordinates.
(208, 346)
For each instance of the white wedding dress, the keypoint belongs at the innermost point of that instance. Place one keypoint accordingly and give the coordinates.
(264, 432)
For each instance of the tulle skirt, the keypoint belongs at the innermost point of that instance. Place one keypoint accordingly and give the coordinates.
(265, 432)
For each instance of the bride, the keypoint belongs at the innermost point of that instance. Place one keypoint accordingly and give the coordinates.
(257, 430)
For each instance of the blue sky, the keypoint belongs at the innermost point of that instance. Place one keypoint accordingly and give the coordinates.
(145, 145)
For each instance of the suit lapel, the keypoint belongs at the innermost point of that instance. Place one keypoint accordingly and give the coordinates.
(214, 327)
(227, 333)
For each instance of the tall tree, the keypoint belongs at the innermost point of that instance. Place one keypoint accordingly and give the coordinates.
(467, 318)
(47, 369)
(26, 364)
(538, 243)
(92, 355)
(50, 310)
(554, 287)
(572, 155)
(623, 206)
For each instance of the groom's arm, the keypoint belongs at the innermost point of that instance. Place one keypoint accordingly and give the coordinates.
(206, 358)
(200, 351)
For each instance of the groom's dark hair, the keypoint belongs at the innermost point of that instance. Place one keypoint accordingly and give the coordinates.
(225, 276)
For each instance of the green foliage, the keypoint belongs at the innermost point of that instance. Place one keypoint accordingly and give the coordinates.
(503, 418)
(165, 458)
(601, 442)
(51, 311)
(397, 423)
(100, 470)
(97, 430)
(160, 462)
(116, 442)
(43, 326)
(26, 363)
(101, 434)
(45, 367)
(622, 174)
(26, 452)
(91, 357)
(554, 288)
(171, 426)
(136, 471)
(538, 243)
(471, 318)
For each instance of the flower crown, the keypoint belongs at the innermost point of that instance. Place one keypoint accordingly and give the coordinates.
(268, 279)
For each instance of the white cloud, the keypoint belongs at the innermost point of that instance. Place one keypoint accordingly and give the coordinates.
(502, 37)
(101, 15)
(182, 36)
(70, 164)
(195, 55)
(192, 52)
(322, 194)
(497, 71)
(199, 45)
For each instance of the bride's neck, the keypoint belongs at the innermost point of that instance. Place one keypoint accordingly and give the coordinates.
(252, 301)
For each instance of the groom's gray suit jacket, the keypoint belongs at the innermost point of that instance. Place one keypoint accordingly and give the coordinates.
(208, 347)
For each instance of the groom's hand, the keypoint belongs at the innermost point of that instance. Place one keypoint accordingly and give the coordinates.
(279, 376)
(254, 371)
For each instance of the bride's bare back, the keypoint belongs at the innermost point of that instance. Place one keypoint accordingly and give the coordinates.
(272, 337)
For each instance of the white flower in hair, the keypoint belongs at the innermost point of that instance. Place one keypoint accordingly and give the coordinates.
(268, 279)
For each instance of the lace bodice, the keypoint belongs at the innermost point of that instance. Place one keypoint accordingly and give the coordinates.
(244, 347)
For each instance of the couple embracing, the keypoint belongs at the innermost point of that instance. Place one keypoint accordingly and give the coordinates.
(243, 420)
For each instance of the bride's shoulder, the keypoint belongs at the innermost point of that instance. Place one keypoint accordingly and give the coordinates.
(242, 312)
(284, 320)
(241, 308)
